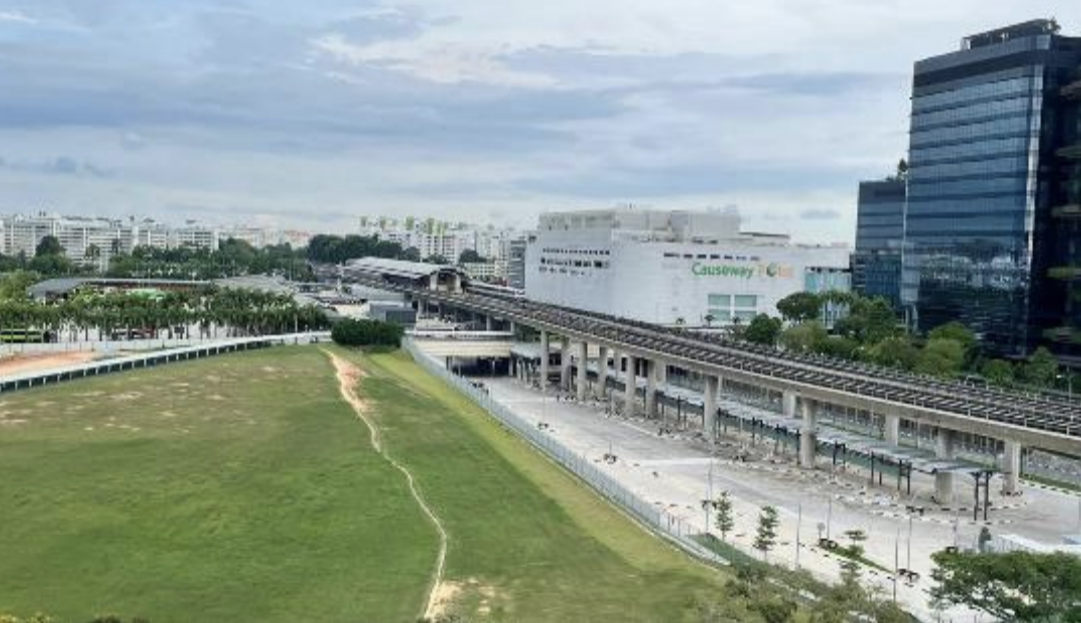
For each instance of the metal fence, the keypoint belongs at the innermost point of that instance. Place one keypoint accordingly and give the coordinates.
(676, 529)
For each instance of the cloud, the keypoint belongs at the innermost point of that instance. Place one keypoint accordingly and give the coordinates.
(465, 107)
(61, 165)
(16, 17)
(820, 214)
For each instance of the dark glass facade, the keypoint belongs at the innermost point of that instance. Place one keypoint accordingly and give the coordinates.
(880, 231)
(987, 126)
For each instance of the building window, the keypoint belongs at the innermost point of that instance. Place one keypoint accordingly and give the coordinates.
(744, 301)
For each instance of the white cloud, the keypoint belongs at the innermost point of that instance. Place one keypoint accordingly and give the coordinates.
(16, 17)
(443, 64)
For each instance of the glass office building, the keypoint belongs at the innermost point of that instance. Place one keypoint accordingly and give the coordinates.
(984, 176)
(880, 231)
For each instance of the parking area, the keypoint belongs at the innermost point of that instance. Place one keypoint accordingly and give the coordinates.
(680, 470)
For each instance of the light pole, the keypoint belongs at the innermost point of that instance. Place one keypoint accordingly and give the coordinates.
(799, 524)
(1069, 383)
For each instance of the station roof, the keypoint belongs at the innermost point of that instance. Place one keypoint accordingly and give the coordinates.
(65, 285)
(399, 268)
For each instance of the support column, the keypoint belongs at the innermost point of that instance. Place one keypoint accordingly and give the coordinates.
(891, 429)
(944, 447)
(602, 374)
(487, 323)
(1011, 468)
(662, 374)
(630, 386)
(565, 364)
(651, 387)
(709, 401)
(808, 437)
(788, 404)
(544, 357)
(583, 372)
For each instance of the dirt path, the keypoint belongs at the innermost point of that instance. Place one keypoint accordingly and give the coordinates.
(22, 363)
(440, 593)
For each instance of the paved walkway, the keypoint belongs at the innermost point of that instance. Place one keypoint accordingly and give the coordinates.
(677, 472)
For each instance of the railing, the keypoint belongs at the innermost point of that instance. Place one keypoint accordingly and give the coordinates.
(27, 380)
(658, 520)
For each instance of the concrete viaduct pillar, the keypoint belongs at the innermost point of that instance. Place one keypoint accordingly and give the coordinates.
(652, 370)
(630, 386)
(709, 401)
(808, 437)
(602, 374)
(565, 364)
(544, 357)
(1011, 468)
(891, 429)
(582, 381)
(944, 449)
(788, 404)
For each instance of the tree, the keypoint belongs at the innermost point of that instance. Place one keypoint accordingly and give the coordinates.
(350, 332)
(436, 259)
(1013, 586)
(998, 372)
(709, 318)
(1041, 368)
(957, 332)
(942, 357)
(13, 285)
(895, 352)
(469, 256)
(726, 520)
(806, 337)
(869, 321)
(48, 245)
(763, 330)
(766, 537)
(800, 307)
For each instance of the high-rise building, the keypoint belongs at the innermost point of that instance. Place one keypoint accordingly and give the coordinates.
(985, 175)
(95, 241)
(880, 233)
(516, 263)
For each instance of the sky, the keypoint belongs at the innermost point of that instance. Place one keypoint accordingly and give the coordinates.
(311, 114)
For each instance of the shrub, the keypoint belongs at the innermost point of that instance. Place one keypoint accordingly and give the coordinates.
(367, 333)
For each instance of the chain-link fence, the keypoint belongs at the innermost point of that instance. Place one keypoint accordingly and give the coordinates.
(657, 519)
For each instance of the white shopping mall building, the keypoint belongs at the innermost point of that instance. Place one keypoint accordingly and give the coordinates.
(672, 267)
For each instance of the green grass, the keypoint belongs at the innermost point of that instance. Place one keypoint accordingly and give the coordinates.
(242, 488)
(527, 541)
(1051, 482)
(238, 488)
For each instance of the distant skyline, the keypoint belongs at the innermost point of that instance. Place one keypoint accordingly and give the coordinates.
(310, 115)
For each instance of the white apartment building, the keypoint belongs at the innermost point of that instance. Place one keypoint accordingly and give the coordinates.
(449, 240)
(669, 267)
(96, 240)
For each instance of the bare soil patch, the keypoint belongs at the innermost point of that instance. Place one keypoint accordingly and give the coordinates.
(21, 364)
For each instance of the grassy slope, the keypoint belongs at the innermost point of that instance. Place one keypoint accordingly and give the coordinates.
(538, 545)
(234, 489)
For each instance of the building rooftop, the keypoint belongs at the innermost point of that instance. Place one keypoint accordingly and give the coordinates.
(1030, 28)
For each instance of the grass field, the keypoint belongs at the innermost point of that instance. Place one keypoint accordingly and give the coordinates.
(528, 542)
(232, 489)
(243, 489)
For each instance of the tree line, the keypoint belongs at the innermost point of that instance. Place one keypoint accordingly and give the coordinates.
(870, 331)
(232, 258)
(126, 315)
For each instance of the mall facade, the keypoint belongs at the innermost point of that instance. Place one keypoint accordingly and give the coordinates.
(673, 267)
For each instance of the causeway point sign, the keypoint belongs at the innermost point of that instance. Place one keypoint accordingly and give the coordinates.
(742, 271)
